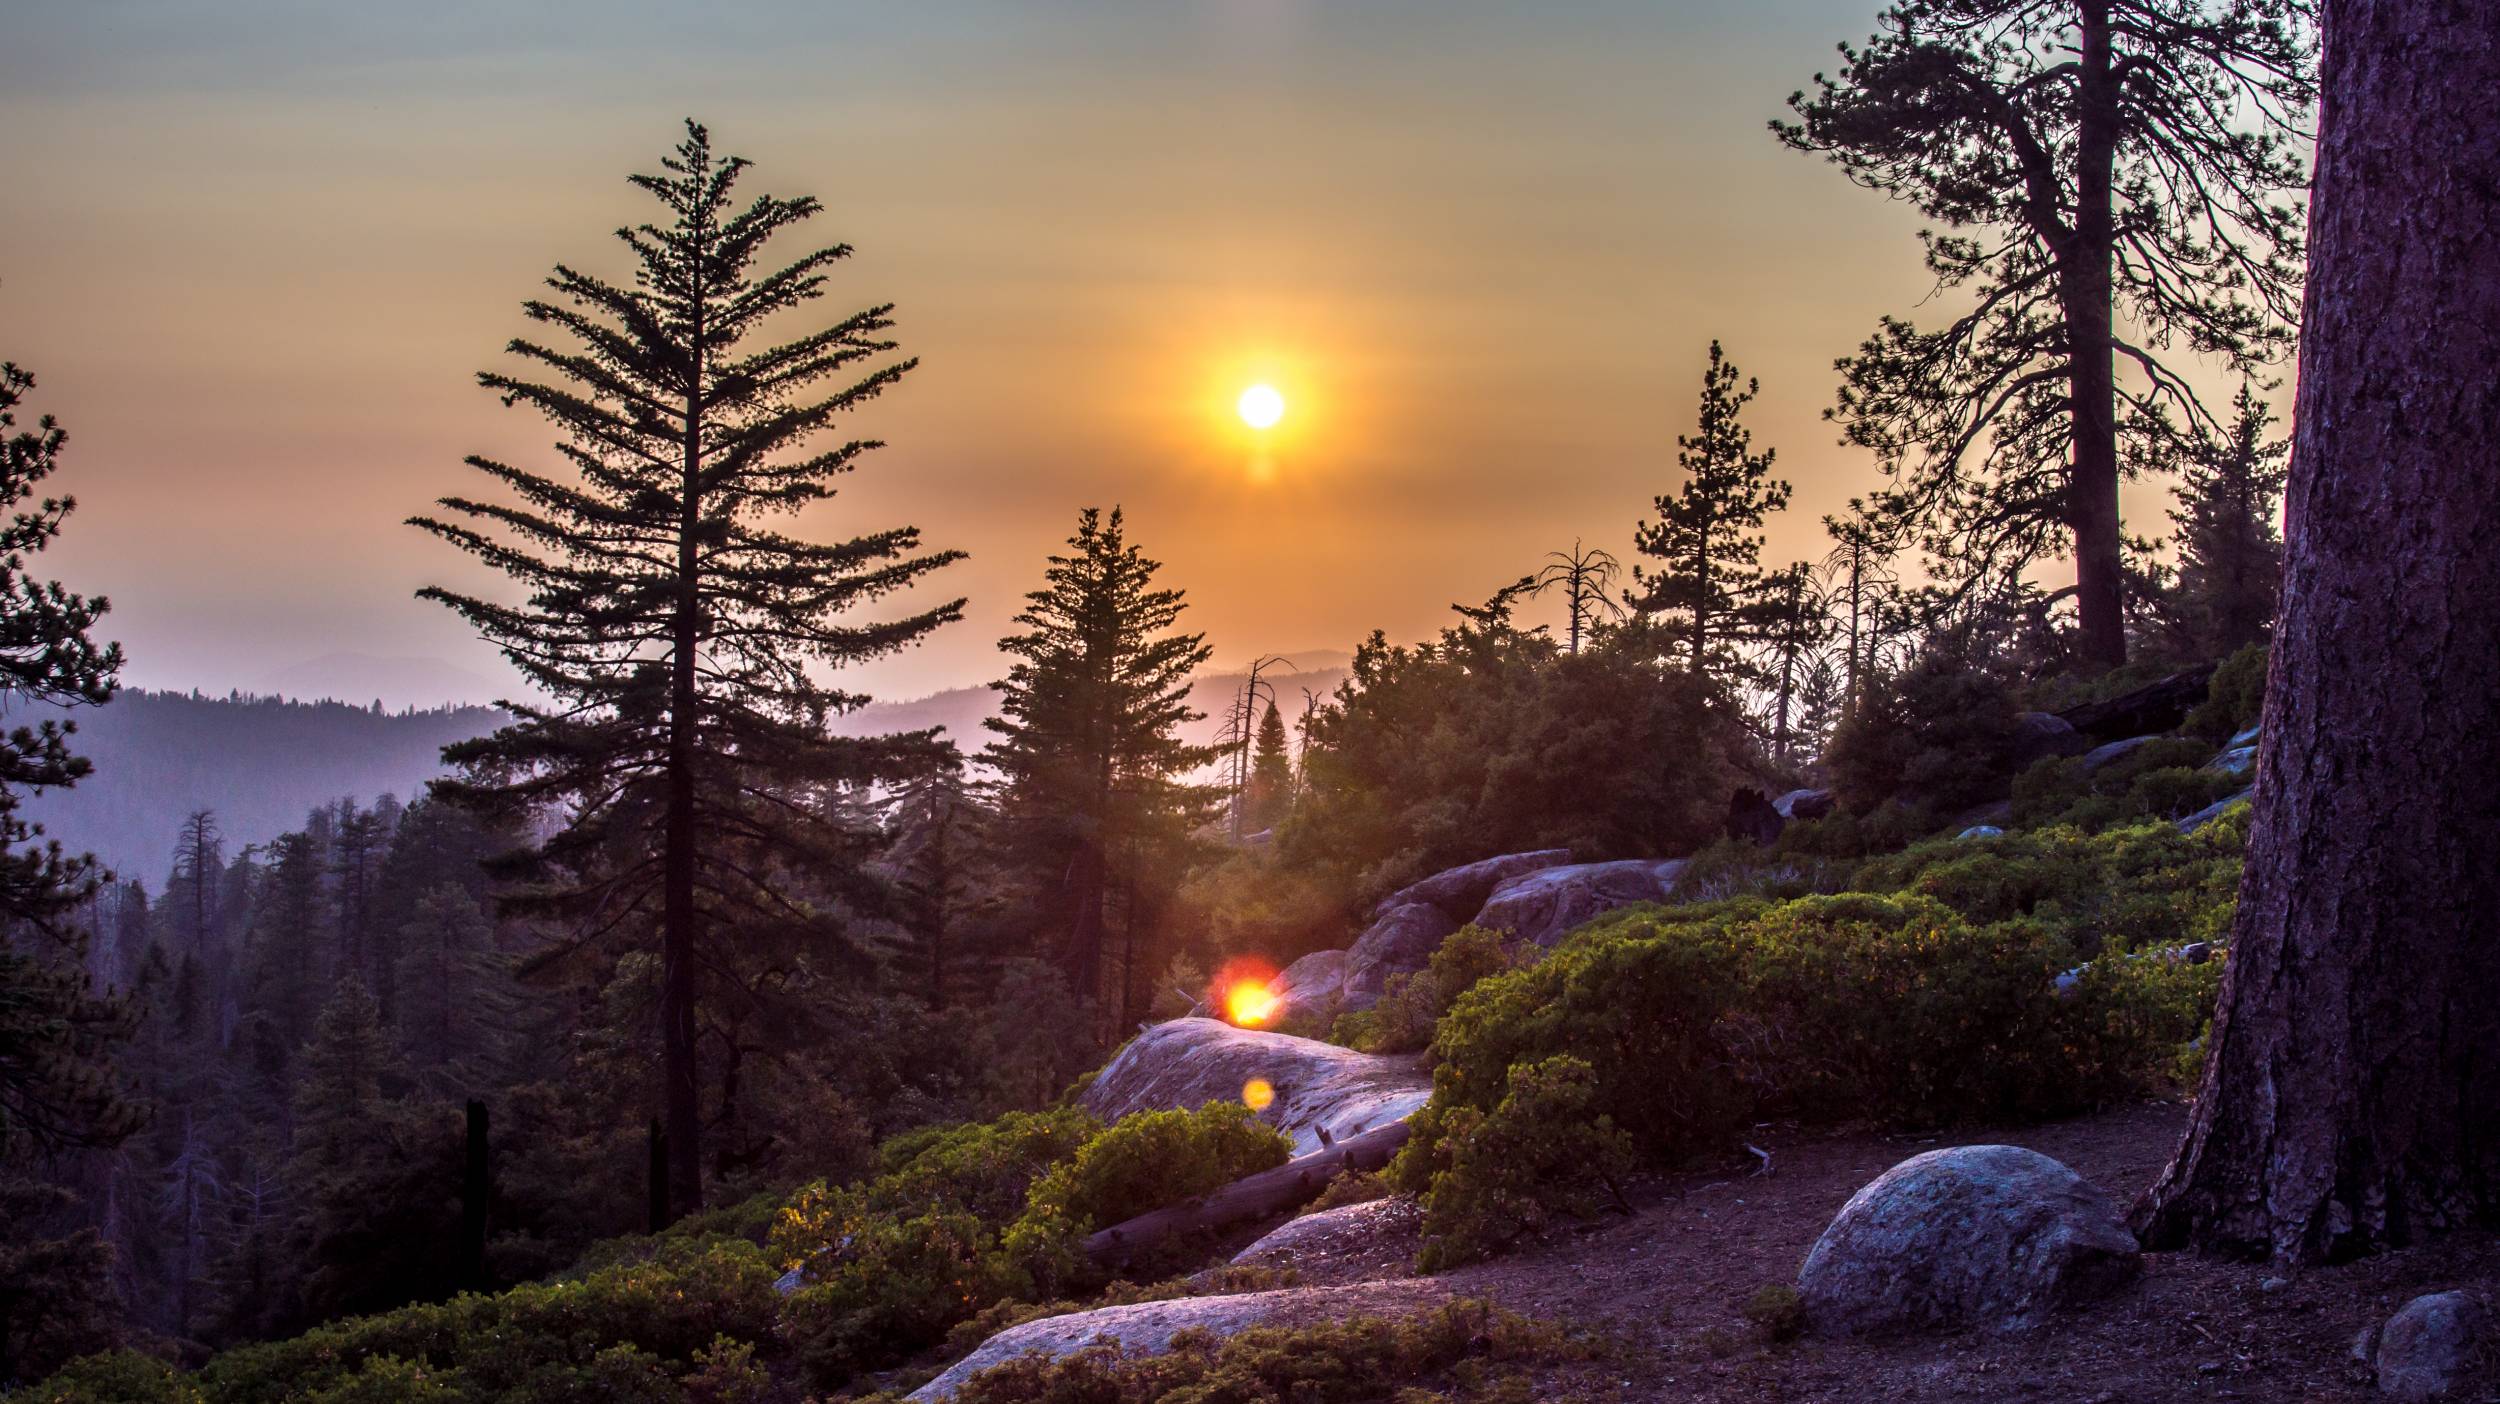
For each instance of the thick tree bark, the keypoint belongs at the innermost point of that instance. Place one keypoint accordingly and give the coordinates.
(2353, 1096)
(2085, 281)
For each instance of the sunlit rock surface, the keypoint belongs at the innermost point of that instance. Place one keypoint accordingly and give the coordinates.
(1318, 1087)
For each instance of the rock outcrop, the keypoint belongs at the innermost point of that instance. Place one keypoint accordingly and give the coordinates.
(2040, 735)
(1458, 892)
(1995, 1237)
(1332, 1233)
(2212, 812)
(1319, 1089)
(1311, 989)
(1147, 1328)
(1400, 942)
(2435, 1347)
(1542, 907)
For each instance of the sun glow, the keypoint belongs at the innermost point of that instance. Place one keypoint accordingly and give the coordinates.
(1249, 1003)
(1260, 406)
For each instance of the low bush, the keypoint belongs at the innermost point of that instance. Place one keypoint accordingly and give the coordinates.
(2163, 779)
(1144, 1162)
(2235, 699)
(622, 1333)
(1407, 1013)
(1938, 737)
(1491, 1177)
(2124, 889)
(1677, 1028)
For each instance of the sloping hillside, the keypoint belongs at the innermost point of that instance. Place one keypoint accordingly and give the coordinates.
(260, 762)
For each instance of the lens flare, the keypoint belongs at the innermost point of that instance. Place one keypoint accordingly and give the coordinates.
(1249, 1003)
(1258, 1094)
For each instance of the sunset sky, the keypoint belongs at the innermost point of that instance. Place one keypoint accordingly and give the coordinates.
(255, 253)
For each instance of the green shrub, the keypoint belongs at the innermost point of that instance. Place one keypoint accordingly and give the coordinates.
(590, 1338)
(1939, 737)
(2235, 699)
(1545, 1148)
(1900, 1010)
(1465, 1351)
(893, 1287)
(114, 1377)
(2123, 889)
(1142, 1163)
(1637, 997)
(1681, 1027)
(1403, 1020)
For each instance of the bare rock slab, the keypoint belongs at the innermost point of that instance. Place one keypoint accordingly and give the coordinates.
(1331, 1233)
(1147, 1328)
(1993, 1237)
(1549, 904)
(1318, 1087)
(2435, 1347)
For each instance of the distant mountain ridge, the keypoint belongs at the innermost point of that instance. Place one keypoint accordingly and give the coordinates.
(262, 763)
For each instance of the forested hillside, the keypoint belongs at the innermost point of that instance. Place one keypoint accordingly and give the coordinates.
(261, 763)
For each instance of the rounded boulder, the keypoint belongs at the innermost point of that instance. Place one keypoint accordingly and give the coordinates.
(1993, 1237)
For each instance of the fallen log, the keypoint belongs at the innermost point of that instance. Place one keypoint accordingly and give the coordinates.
(2155, 707)
(1264, 1195)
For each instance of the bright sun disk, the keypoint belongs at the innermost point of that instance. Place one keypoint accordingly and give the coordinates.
(1260, 406)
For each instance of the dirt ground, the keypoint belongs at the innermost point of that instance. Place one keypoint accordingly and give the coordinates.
(1666, 1283)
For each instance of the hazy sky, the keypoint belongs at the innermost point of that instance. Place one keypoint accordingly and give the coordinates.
(255, 253)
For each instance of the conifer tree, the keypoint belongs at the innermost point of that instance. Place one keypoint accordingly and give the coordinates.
(2116, 181)
(672, 624)
(1709, 567)
(191, 892)
(2230, 553)
(941, 875)
(454, 1003)
(1089, 759)
(57, 1035)
(1271, 772)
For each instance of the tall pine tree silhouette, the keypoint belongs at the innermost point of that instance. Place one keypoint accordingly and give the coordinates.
(1089, 757)
(670, 628)
(1709, 570)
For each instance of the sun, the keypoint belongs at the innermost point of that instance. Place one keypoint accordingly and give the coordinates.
(1260, 406)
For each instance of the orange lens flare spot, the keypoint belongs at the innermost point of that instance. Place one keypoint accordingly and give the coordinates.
(1249, 1003)
(1258, 1094)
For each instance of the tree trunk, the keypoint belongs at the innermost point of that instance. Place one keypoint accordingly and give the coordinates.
(1269, 1192)
(2085, 284)
(679, 1076)
(2352, 1099)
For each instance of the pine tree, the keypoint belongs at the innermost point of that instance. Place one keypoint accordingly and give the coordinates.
(2230, 555)
(1089, 757)
(1788, 621)
(57, 1035)
(1710, 561)
(672, 625)
(1271, 773)
(191, 892)
(2352, 1081)
(2114, 178)
(455, 1003)
(938, 855)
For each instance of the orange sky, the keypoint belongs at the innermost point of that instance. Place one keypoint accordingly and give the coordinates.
(255, 260)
